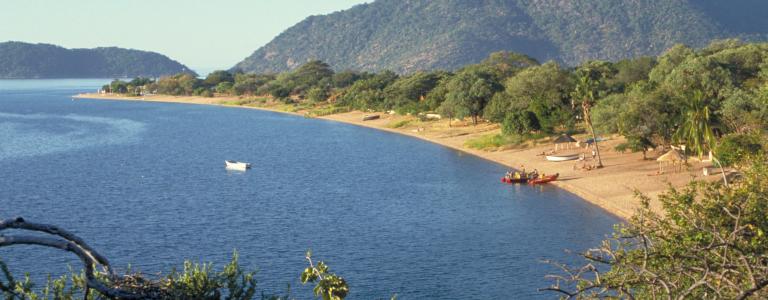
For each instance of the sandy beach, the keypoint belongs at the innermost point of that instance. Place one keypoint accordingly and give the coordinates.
(611, 188)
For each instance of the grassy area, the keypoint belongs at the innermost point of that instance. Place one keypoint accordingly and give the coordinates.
(328, 110)
(487, 142)
(246, 101)
(287, 107)
(399, 124)
(492, 142)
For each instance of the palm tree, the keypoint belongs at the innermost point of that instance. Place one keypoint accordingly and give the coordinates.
(696, 130)
(585, 91)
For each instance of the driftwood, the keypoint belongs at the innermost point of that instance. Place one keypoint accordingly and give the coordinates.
(66, 241)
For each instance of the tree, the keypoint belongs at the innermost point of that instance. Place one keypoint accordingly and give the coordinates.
(317, 94)
(368, 93)
(451, 108)
(216, 77)
(179, 84)
(520, 122)
(250, 84)
(629, 71)
(224, 88)
(436, 96)
(140, 81)
(696, 130)
(328, 286)
(346, 78)
(118, 86)
(744, 111)
(641, 112)
(585, 92)
(506, 63)
(279, 91)
(702, 73)
(469, 92)
(541, 89)
(708, 243)
(668, 61)
(314, 73)
(636, 144)
(734, 149)
(407, 93)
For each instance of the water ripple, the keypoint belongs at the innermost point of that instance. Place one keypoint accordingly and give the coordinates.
(28, 135)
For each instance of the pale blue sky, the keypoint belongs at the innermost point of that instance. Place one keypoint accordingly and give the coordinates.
(201, 34)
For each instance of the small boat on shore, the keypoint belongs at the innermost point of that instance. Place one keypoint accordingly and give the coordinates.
(514, 180)
(544, 179)
(236, 165)
(563, 157)
(370, 117)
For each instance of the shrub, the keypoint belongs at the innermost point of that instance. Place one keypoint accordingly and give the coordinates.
(399, 124)
(520, 122)
(735, 147)
(708, 243)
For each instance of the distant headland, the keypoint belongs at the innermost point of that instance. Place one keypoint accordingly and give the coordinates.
(40, 61)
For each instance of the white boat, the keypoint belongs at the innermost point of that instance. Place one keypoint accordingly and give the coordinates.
(236, 165)
(562, 157)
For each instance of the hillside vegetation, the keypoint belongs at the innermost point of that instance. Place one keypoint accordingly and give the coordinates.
(23, 60)
(410, 35)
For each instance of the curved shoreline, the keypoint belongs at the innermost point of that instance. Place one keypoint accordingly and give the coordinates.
(611, 188)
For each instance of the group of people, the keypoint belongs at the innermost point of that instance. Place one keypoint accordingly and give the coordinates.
(517, 175)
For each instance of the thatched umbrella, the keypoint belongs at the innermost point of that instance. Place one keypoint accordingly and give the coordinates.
(672, 156)
(564, 139)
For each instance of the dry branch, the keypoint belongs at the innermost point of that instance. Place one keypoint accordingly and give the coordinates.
(67, 242)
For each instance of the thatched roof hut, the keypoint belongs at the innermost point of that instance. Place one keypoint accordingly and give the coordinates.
(673, 156)
(564, 139)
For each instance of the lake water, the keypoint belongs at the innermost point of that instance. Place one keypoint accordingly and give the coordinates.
(144, 183)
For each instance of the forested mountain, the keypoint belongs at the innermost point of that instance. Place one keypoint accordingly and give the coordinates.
(24, 60)
(410, 35)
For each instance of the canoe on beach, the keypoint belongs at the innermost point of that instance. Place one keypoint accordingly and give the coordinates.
(544, 179)
(514, 180)
(562, 157)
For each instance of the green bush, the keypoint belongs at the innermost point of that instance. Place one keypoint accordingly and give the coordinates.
(520, 122)
(708, 242)
(194, 281)
(202, 91)
(733, 149)
(399, 124)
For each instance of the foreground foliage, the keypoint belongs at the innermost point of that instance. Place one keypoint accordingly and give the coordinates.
(99, 280)
(710, 243)
(194, 281)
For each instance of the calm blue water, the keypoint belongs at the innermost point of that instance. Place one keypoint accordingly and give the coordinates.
(144, 183)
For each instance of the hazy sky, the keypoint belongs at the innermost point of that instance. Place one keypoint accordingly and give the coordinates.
(200, 34)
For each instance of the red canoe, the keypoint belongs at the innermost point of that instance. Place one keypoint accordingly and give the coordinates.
(544, 179)
(514, 180)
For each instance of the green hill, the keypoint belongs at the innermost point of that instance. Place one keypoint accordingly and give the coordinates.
(24, 60)
(410, 35)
